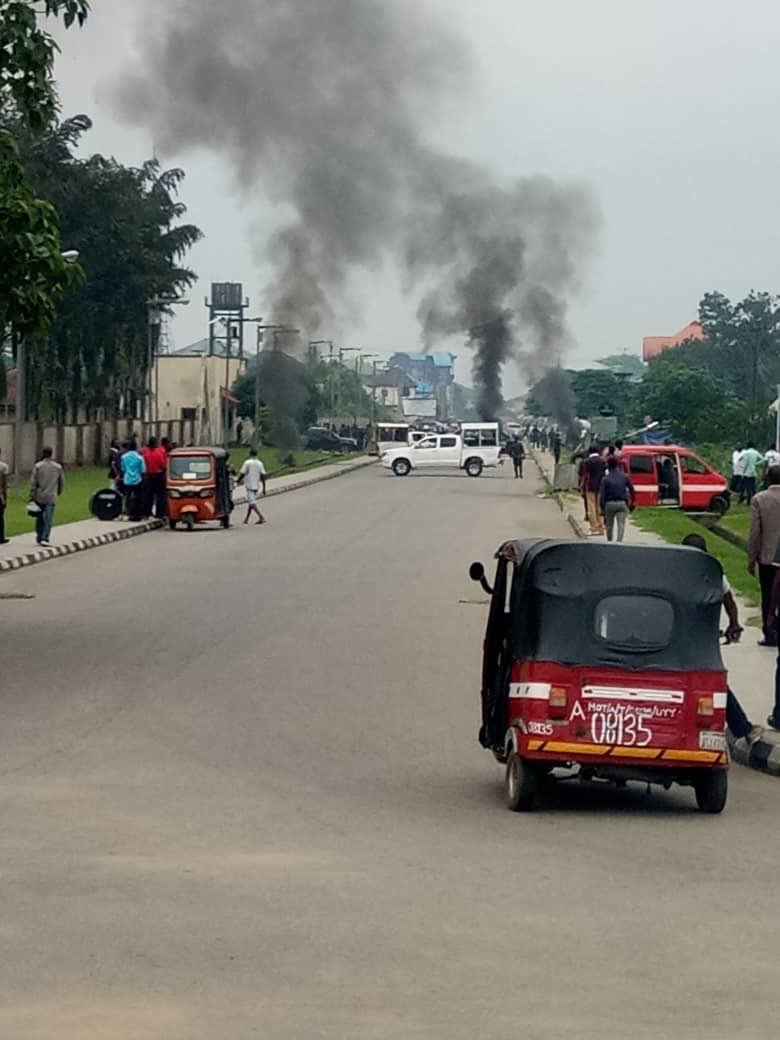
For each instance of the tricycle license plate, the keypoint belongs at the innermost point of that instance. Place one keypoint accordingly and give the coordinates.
(623, 725)
(712, 741)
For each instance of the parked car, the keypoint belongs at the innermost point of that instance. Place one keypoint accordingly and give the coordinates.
(320, 439)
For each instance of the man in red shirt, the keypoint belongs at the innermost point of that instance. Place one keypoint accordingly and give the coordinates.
(155, 497)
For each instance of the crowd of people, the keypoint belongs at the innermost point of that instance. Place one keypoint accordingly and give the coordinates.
(606, 489)
(139, 477)
(746, 462)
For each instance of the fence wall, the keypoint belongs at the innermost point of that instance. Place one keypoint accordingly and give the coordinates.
(87, 444)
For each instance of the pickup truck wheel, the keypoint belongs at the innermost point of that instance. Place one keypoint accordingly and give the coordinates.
(401, 467)
(712, 788)
(521, 784)
(473, 467)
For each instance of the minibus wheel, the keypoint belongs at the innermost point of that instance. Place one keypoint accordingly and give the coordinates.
(719, 505)
(520, 784)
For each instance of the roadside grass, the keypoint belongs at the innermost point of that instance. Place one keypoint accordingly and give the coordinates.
(673, 525)
(737, 520)
(81, 483)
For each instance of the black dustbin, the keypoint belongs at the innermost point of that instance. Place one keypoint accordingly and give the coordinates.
(106, 504)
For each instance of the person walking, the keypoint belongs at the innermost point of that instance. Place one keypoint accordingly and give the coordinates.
(762, 547)
(3, 500)
(593, 470)
(749, 464)
(133, 469)
(253, 476)
(615, 496)
(46, 485)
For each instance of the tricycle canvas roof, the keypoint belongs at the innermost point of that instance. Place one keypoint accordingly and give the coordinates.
(605, 658)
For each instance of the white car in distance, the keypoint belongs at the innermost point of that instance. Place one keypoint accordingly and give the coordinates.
(475, 448)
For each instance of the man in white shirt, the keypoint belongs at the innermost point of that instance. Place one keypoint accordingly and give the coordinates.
(737, 470)
(253, 477)
(771, 458)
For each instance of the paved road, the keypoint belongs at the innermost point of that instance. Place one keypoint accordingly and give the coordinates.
(242, 797)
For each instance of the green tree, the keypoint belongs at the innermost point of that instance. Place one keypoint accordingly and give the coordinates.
(26, 72)
(34, 275)
(287, 389)
(125, 224)
(692, 403)
(598, 391)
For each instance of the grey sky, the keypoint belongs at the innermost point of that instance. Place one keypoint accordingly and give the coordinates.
(669, 111)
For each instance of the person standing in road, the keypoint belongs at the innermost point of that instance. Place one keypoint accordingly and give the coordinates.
(517, 451)
(750, 462)
(593, 470)
(46, 485)
(762, 547)
(133, 469)
(253, 477)
(3, 500)
(615, 496)
(156, 461)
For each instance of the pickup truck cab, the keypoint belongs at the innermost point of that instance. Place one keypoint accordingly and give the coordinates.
(472, 450)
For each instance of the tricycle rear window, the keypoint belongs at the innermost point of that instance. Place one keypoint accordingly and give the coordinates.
(189, 467)
(635, 622)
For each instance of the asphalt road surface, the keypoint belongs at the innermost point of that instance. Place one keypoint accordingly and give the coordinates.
(242, 796)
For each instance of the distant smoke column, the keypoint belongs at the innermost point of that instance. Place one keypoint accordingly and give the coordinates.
(324, 109)
(492, 343)
(500, 262)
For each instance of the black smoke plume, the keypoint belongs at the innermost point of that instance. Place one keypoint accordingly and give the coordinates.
(325, 109)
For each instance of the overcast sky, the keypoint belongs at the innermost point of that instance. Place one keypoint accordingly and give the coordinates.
(667, 109)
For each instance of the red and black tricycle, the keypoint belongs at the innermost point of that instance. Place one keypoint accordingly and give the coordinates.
(605, 661)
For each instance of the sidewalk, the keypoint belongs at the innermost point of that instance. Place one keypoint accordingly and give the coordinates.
(22, 551)
(751, 668)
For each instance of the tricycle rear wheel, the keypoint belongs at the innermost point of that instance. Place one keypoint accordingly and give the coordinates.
(712, 790)
(521, 783)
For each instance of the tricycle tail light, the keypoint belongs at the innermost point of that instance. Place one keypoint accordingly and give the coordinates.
(705, 710)
(559, 702)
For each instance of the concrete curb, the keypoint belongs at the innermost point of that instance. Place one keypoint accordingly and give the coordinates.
(28, 559)
(573, 522)
(763, 756)
(79, 545)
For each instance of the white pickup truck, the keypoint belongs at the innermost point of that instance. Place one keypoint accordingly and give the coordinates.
(474, 449)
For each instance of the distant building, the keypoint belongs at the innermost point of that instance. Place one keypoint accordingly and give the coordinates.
(434, 377)
(652, 346)
(196, 387)
(389, 388)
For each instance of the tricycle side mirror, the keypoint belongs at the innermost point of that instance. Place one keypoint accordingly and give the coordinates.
(477, 573)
